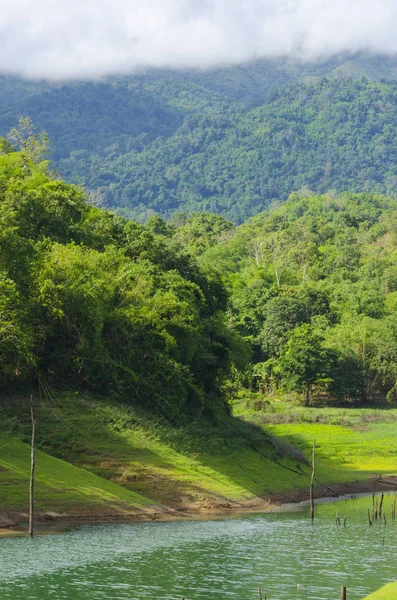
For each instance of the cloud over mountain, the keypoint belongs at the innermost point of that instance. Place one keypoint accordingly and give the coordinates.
(58, 40)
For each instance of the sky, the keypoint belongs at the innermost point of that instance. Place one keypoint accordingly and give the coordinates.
(84, 39)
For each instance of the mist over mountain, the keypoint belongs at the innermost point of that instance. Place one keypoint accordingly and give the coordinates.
(229, 140)
(75, 40)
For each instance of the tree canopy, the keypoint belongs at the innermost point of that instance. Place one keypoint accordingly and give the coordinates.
(89, 300)
(313, 289)
(229, 141)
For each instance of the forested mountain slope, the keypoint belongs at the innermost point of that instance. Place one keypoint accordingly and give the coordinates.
(228, 140)
(175, 317)
(91, 301)
(313, 289)
(335, 134)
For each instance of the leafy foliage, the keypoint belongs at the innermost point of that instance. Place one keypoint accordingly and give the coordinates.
(313, 288)
(90, 300)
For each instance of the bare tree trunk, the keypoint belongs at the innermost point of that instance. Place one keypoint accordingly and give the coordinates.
(32, 465)
(276, 273)
(312, 481)
(307, 395)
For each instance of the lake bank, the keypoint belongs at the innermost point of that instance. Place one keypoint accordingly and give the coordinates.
(385, 593)
(100, 461)
(16, 524)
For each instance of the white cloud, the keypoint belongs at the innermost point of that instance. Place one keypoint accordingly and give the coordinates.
(61, 39)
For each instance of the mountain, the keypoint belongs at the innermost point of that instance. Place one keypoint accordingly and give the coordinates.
(229, 140)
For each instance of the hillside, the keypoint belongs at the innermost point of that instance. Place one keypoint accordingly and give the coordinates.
(229, 140)
(332, 135)
(312, 289)
(100, 459)
(61, 488)
(137, 343)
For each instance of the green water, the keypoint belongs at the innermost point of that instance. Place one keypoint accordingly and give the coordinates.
(209, 560)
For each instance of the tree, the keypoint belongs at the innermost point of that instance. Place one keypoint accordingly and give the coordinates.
(35, 146)
(305, 362)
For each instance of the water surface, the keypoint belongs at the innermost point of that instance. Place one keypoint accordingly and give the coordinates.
(211, 560)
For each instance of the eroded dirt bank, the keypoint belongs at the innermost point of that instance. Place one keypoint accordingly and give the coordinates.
(15, 523)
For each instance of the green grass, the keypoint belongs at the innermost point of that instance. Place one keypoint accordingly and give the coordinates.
(60, 486)
(351, 443)
(202, 465)
(362, 450)
(231, 461)
(388, 592)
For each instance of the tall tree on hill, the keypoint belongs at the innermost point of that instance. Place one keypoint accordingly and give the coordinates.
(305, 362)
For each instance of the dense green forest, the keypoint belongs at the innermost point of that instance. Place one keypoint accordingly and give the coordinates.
(313, 289)
(338, 135)
(180, 316)
(91, 301)
(229, 140)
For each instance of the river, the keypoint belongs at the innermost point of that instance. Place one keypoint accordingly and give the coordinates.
(210, 559)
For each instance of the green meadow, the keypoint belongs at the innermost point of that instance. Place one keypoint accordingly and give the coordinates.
(60, 486)
(100, 454)
(357, 442)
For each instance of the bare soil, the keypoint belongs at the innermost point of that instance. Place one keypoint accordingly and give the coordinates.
(15, 523)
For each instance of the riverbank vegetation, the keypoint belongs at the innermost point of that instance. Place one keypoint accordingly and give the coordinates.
(138, 342)
(312, 290)
(94, 302)
(202, 466)
(177, 317)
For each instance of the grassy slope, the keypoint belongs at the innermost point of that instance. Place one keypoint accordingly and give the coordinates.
(200, 463)
(138, 459)
(353, 442)
(386, 593)
(59, 486)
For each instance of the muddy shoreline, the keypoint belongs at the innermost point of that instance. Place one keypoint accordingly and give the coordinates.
(16, 523)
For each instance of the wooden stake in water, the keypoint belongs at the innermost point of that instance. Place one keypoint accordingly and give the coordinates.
(312, 481)
(260, 593)
(381, 504)
(32, 465)
(342, 593)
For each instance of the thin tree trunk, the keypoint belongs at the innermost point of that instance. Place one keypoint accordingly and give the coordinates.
(307, 395)
(276, 274)
(312, 481)
(32, 465)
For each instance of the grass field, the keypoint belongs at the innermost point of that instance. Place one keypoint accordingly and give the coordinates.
(360, 442)
(136, 459)
(388, 592)
(60, 486)
(231, 461)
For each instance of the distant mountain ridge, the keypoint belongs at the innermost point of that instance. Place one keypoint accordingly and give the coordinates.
(230, 140)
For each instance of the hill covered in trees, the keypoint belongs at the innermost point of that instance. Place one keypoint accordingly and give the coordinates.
(313, 289)
(91, 301)
(178, 316)
(229, 140)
